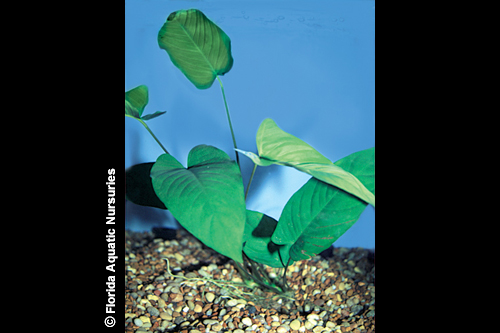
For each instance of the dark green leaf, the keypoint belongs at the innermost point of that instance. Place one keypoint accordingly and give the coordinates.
(154, 115)
(257, 239)
(197, 46)
(206, 198)
(139, 188)
(319, 213)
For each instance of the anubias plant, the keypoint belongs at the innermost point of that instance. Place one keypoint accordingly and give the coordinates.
(207, 196)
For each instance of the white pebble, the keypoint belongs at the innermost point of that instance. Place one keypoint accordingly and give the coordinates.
(232, 302)
(247, 321)
(312, 316)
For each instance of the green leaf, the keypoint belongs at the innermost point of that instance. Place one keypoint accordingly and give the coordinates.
(154, 115)
(206, 198)
(139, 188)
(275, 146)
(197, 46)
(135, 101)
(257, 241)
(318, 213)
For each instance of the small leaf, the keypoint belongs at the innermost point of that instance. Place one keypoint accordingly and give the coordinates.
(139, 188)
(197, 46)
(206, 198)
(318, 213)
(135, 101)
(154, 115)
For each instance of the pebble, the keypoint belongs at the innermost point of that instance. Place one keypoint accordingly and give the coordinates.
(247, 321)
(316, 292)
(330, 290)
(138, 322)
(309, 325)
(295, 324)
(217, 327)
(210, 322)
(209, 297)
(165, 316)
(153, 311)
(176, 298)
(312, 316)
(232, 302)
(335, 295)
(355, 309)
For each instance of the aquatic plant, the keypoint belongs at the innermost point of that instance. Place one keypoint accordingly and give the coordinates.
(207, 197)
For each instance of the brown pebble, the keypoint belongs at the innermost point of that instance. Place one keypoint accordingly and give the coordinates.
(174, 299)
(206, 307)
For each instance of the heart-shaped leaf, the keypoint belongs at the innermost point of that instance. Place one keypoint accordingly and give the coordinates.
(197, 46)
(319, 213)
(206, 198)
(275, 146)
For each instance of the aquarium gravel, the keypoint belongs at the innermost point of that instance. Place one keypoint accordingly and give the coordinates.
(170, 287)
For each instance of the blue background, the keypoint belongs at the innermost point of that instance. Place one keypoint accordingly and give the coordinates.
(308, 65)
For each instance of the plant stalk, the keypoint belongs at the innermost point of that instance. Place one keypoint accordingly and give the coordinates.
(154, 136)
(229, 120)
(250, 181)
(258, 276)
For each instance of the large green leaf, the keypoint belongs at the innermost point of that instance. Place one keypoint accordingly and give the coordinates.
(318, 213)
(135, 101)
(257, 241)
(275, 146)
(139, 188)
(206, 198)
(197, 46)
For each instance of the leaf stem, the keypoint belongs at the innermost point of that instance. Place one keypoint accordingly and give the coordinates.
(258, 275)
(229, 120)
(154, 136)
(250, 181)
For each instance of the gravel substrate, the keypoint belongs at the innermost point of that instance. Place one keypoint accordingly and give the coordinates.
(330, 293)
